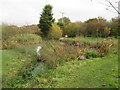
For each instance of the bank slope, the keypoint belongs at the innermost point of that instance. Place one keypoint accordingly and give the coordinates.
(93, 73)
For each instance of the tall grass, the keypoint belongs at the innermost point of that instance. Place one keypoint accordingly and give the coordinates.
(56, 53)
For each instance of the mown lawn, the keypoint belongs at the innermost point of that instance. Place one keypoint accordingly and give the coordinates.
(94, 73)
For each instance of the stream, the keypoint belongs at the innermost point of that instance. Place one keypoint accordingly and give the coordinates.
(41, 67)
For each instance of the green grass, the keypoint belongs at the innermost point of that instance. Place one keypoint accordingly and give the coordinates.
(95, 73)
(89, 40)
(93, 40)
(16, 62)
(20, 68)
(20, 61)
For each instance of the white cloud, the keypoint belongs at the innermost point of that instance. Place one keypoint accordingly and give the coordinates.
(20, 12)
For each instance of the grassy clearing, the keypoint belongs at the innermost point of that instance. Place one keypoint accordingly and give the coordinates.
(95, 73)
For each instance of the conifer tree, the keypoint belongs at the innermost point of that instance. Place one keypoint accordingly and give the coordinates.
(46, 20)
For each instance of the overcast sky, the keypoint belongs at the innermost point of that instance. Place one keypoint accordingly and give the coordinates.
(26, 12)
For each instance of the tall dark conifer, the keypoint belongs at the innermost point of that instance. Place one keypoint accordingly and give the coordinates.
(46, 20)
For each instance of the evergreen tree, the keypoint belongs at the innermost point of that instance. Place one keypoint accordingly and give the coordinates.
(62, 22)
(46, 20)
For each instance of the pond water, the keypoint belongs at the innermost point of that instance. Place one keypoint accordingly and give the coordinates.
(40, 69)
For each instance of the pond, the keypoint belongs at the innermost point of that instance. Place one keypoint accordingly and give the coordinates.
(40, 69)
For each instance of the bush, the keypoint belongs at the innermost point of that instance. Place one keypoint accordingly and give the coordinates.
(91, 55)
(55, 32)
(71, 29)
(104, 48)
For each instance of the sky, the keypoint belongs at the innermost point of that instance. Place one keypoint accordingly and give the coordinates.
(27, 12)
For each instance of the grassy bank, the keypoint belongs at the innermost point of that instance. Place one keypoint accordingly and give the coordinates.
(23, 68)
(17, 63)
(93, 73)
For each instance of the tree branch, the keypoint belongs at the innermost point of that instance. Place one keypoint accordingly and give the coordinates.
(113, 6)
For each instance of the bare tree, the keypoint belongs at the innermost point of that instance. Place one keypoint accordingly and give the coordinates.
(117, 10)
(111, 4)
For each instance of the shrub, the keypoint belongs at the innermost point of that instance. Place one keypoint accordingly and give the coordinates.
(55, 32)
(71, 29)
(91, 55)
(103, 48)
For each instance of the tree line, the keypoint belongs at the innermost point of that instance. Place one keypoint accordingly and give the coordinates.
(47, 27)
(95, 27)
